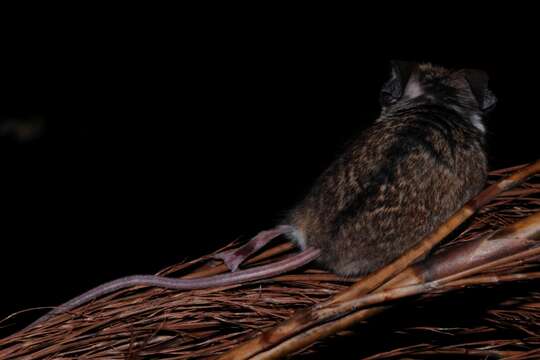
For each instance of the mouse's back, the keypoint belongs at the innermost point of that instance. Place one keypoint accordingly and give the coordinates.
(405, 175)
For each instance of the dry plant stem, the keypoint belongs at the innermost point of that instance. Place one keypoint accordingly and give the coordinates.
(311, 335)
(449, 283)
(340, 310)
(308, 337)
(509, 240)
(289, 328)
(487, 353)
(146, 322)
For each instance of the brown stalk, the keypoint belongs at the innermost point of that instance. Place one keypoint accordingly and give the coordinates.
(480, 257)
(163, 324)
(341, 309)
(316, 333)
(508, 240)
(290, 328)
(451, 282)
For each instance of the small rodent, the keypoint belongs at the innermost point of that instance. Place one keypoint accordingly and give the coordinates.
(420, 161)
(404, 176)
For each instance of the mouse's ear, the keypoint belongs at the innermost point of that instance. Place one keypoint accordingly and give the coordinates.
(393, 89)
(478, 82)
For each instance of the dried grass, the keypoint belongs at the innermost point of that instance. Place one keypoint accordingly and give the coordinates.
(165, 324)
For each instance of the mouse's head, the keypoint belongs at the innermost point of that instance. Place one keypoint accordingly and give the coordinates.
(465, 91)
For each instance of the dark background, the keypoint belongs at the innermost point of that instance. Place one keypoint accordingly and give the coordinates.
(156, 143)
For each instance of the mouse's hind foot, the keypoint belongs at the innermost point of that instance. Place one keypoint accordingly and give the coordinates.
(233, 258)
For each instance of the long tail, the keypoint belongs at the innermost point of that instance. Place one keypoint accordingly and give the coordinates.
(256, 273)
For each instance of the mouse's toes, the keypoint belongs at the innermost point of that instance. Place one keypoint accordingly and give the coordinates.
(230, 258)
(233, 258)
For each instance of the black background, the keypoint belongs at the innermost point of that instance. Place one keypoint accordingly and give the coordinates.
(164, 139)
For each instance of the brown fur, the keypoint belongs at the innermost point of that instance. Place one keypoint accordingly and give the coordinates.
(398, 181)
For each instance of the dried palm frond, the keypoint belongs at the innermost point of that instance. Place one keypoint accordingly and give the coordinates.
(165, 324)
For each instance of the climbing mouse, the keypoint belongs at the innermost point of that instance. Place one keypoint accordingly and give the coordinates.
(404, 176)
(396, 182)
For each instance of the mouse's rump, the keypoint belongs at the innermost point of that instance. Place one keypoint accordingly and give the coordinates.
(396, 184)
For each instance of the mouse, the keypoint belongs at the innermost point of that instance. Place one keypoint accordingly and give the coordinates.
(397, 181)
(421, 160)
(402, 178)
